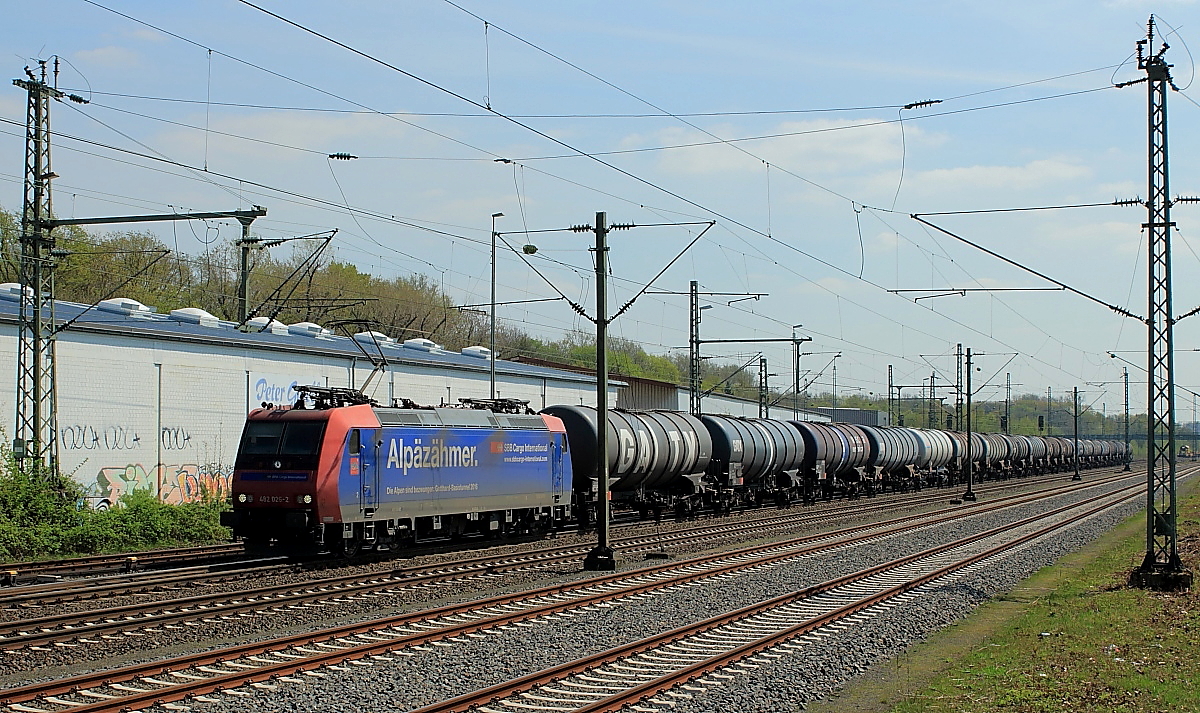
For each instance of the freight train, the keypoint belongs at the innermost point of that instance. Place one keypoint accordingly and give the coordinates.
(338, 472)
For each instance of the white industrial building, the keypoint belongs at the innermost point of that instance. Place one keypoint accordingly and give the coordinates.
(157, 401)
(643, 394)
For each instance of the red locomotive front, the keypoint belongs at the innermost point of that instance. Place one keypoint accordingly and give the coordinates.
(285, 477)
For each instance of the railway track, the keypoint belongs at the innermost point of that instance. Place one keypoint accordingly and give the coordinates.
(29, 573)
(18, 572)
(59, 592)
(708, 653)
(114, 622)
(266, 665)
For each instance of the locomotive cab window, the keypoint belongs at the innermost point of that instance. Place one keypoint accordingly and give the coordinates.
(302, 438)
(355, 442)
(298, 438)
(262, 438)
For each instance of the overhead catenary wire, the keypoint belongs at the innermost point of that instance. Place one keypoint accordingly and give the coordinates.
(392, 219)
(594, 156)
(309, 198)
(553, 139)
(1026, 268)
(240, 180)
(593, 115)
(354, 217)
(198, 173)
(821, 130)
(397, 328)
(680, 117)
(284, 77)
(1028, 209)
(274, 190)
(379, 217)
(487, 115)
(298, 25)
(843, 339)
(1012, 310)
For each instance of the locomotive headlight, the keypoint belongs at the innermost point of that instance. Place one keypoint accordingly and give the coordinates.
(243, 498)
(306, 499)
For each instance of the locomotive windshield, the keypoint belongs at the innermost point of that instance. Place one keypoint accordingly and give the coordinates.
(293, 438)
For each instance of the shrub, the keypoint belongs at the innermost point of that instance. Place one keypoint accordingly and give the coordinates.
(35, 508)
(44, 516)
(140, 521)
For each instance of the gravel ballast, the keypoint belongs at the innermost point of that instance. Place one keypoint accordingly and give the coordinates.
(803, 675)
(210, 630)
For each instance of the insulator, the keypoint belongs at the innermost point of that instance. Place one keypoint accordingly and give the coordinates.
(342, 156)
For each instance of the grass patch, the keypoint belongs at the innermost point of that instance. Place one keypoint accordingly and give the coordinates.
(42, 516)
(1087, 642)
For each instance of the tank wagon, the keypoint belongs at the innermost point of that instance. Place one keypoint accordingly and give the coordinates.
(345, 473)
(754, 453)
(662, 451)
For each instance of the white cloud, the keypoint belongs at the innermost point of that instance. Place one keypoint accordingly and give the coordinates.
(12, 105)
(146, 34)
(824, 146)
(825, 285)
(1147, 3)
(112, 57)
(883, 242)
(1107, 237)
(1121, 190)
(1035, 174)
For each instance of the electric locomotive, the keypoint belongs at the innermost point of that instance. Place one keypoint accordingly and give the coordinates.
(346, 474)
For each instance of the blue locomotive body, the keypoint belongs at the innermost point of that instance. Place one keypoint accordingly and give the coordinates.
(360, 475)
(420, 471)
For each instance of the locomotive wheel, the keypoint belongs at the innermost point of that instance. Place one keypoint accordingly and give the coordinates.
(348, 548)
(256, 544)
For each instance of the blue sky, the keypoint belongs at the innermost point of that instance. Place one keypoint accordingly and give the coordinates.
(816, 215)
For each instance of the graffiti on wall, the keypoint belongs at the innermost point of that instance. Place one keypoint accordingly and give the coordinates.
(182, 483)
(86, 437)
(89, 438)
(173, 438)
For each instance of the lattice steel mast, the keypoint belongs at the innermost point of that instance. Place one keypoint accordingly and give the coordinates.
(1161, 567)
(35, 441)
(958, 393)
(694, 349)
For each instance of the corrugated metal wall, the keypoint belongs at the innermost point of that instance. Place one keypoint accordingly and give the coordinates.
(865, 417)
(644, 395)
